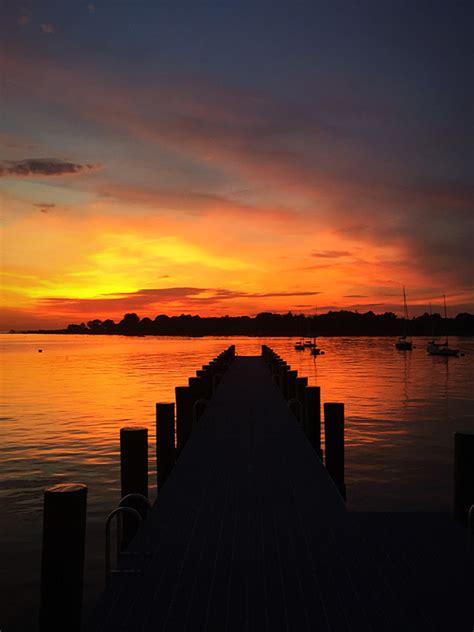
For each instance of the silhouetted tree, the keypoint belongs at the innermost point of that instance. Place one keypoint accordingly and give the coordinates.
(333, 323)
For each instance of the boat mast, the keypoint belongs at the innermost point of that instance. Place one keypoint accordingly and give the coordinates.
(445, 319)
(405, 328)
(432, 322)
(314, 328)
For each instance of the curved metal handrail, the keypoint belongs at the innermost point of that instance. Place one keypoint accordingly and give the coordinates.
(117, 512)
(141, 498)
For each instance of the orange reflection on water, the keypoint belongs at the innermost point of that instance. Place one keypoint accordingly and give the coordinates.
(62, 409)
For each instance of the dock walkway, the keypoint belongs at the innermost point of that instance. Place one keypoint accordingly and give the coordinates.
(249, 533)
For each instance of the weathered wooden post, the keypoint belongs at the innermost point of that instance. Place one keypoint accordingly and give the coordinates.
(184, 416)
(133, 471)
(205, 375)
(196, 385)
(463, 474)
(134, 460)
(165, 451)
(312, 421)
(334, 443)
(62, 564)
(300, 395)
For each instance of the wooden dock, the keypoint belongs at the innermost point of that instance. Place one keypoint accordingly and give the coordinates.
(249, 533)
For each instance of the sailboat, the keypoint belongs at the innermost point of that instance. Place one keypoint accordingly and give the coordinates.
(315, 350)
(441, 348)
(404, 343)
(308, 343)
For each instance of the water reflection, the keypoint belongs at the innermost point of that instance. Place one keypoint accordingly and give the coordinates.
(61, 412)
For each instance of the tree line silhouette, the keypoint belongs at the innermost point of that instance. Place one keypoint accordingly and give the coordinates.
(340, 323)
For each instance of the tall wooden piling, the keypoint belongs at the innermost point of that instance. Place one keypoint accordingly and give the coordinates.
(62, 564)
(184, 416)
(133, 472)
(165, 450)
(291, 384)
(312, 420)
(134, 460)
(300, 393)
(334, 443)
(463, 474)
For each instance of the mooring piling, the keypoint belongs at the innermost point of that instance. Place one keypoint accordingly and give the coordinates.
(134, 460)
(300, 395)
(312, 422)
(184, 416)
(62, 564)
(133, 471)
(291, 377)
(165, 449)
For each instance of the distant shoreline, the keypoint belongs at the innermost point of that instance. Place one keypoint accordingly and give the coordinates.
(294, 336)
(331, 324)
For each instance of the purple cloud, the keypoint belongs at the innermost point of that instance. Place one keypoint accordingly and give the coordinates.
(42, 167)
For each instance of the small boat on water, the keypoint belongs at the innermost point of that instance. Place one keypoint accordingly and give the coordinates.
(404, 343)
(315, 351)
(441, 348)
(299, 346)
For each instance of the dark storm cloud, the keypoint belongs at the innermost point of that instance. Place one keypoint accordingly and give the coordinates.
(42, 167)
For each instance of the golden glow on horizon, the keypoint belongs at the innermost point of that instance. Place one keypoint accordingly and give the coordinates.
(261, 263)
(105, 248)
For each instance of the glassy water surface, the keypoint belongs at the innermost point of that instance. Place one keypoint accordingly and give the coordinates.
(61, 411)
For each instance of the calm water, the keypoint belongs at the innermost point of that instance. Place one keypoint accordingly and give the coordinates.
(61, 411)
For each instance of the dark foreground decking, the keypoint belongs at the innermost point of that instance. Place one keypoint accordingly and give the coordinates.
(250, 533)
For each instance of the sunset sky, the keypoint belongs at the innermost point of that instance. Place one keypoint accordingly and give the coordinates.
(231, 157)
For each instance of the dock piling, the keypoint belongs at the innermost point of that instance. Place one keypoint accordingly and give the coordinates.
(184, 415)
(133, 471)
(62, 564)
(165, 450)
(312, 421)
(300, 395)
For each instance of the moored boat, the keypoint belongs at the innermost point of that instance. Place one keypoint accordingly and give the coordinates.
(442, 348)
